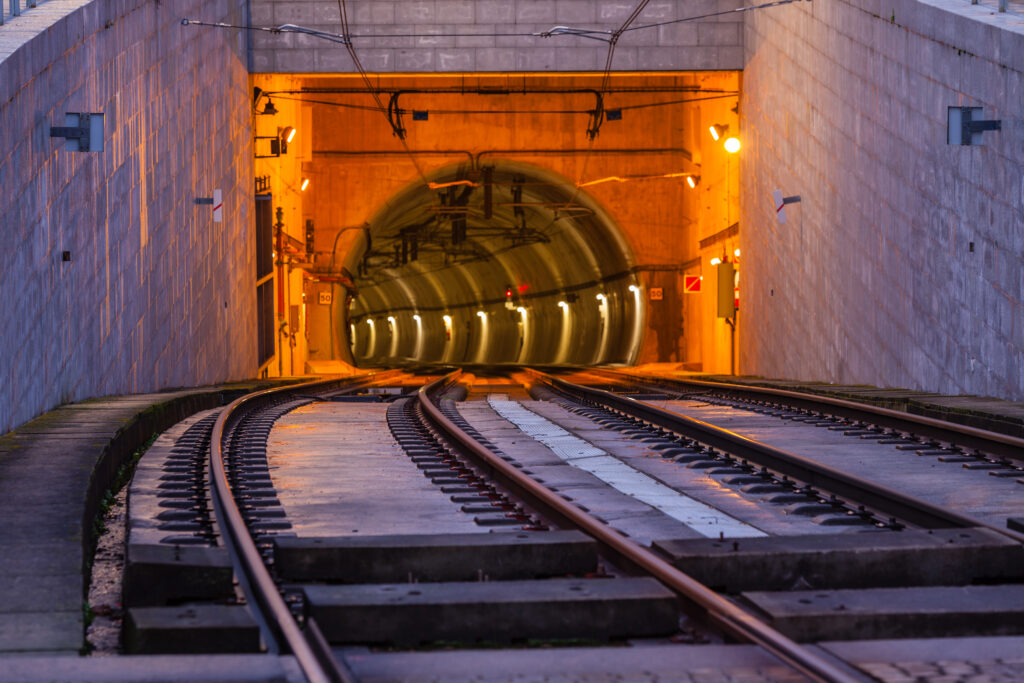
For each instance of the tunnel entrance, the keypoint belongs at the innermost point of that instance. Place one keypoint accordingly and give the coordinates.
(493, 261)
(497, 218)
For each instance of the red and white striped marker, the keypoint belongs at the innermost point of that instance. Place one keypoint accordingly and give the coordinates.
(780, 211)
(780, 203)
(218, 207)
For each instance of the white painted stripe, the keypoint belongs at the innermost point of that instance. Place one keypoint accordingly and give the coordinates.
(703, 519)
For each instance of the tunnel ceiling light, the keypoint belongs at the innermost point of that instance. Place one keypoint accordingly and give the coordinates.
(391, 319)
(305, 184)
(369, 321)
(564, 306)
(521, 310)
(634, 289)
(718, 130)
(483, 316)
(447, 319)
(600, 297)
(715, 261)
(732, 145)
(416, 317)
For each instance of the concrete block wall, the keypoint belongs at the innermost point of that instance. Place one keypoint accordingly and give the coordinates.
(904, 263)
(497, 35)
(156, 294)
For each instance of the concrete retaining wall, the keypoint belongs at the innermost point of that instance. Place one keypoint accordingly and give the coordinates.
(155, 295)
(488, 35)
(904, 263)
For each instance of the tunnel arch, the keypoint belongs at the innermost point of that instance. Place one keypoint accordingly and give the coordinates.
(432, 275)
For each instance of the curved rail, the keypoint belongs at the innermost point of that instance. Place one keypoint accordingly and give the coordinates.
(263, 592)
(994, 443)
(713, 607)
(882, 499)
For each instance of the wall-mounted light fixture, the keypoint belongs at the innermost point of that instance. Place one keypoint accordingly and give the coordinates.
(284, 136)
(964, 125)
(692, 181)
(82, 132)
(304, 185)
(278, 143)
(268, 109)
(732, 143)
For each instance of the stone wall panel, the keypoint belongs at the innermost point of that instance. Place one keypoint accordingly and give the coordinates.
(140, 306)
(380, 29)
(888, 208)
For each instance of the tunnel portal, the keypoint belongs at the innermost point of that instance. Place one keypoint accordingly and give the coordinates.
(497, 263)
(496, 218)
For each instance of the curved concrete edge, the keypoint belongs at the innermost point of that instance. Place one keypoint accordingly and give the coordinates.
(152, 669)
(53, 24)
(54, 473)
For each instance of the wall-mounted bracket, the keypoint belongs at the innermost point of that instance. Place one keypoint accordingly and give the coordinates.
(82, 132)
(216, 201)
(964, 125)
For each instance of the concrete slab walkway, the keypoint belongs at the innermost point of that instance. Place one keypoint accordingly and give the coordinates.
(54, 472)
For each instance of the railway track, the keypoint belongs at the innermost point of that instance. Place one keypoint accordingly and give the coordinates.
(552, 570)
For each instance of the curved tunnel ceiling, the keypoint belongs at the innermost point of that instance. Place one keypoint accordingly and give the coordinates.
(434, 278)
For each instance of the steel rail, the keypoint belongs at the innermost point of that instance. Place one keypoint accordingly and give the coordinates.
(993, 443)
(879, 498)
(711, 606)
(263, 592)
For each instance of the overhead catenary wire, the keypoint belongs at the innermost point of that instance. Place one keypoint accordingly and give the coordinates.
(484, 112)
(556, 31)
(342, 11)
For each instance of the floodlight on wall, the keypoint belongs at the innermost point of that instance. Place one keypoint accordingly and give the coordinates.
(718, 130)
(964, 125)
(288, 134)
(304, 185)
(692, 181)
(715, 261)
(82, 132)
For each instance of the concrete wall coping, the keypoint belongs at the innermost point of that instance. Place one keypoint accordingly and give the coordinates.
(45, 23)
(979, 30)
